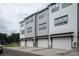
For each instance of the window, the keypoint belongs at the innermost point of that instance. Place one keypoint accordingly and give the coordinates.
(65, 19)
(29, 30)
(41, 16)
(55, 7)
(42, 26)
(31, 20)
(61, 20)
(27, 21)
(56, 22)
(42, 23)
(66, 5)
(23, 31)
(21, 25)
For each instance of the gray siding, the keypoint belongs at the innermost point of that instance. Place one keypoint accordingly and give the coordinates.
(42, 23)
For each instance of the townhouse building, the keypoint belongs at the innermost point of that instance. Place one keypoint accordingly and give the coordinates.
(63, 29)
(56, 26)
(22, 33)
(30, 30)
(42, 23)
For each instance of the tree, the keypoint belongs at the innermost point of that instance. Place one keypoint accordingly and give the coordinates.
(9, 39)
(15, 37)
(3, 37)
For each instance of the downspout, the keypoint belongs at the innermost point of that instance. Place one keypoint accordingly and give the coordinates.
(49, 39)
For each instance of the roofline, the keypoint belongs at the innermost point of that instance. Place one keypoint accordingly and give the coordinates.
(51, 4)
(21, 21)
(36, 12)
(27, 17)
(42, 10)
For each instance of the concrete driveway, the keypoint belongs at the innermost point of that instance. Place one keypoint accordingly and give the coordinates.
(41, 51)
(51, 52)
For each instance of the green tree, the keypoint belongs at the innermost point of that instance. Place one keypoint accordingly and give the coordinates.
(9, 39)
(3, 38)
(15, 37)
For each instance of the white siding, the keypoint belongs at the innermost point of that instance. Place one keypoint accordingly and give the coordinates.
(22, 28)
(44, 19)
(71, 11)
(30, 24)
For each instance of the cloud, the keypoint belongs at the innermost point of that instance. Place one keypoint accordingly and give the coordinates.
(12, 13)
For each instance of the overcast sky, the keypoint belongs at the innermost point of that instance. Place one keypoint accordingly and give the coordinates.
(12, 14)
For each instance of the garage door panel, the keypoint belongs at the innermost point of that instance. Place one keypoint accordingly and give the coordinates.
(43, 43)
(29, 43)
(22, 43)
(62, 43)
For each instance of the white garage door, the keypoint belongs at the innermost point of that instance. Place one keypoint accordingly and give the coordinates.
(30, 43)
(22, 43)
(61, 43)
(43, 43)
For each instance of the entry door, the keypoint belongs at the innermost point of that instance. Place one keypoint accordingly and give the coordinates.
(43, 43)
(61, 43)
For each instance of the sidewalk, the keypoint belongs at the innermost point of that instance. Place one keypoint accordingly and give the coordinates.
(41, 51)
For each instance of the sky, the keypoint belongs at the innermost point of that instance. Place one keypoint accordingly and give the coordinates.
(12, 13)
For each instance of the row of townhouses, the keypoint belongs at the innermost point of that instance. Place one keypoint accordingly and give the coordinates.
(56, 26)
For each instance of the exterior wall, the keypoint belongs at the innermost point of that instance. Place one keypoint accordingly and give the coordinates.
(30, 24)
(40, 23)
(71, 11)
(22, 28)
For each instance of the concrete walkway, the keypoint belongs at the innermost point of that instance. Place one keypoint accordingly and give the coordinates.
(41, 51)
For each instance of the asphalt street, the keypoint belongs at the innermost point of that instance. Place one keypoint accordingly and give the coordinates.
(9, 52)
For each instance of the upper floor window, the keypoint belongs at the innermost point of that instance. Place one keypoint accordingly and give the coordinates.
(61, 20)
(41, 16)
(21, 25)
(42, 26)
(55, 7)
(66, 5)
(56, 22)
(22, 31)
(65, 19)
(27, 21)
(31, 20)
(43, 23)
(29, 30)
